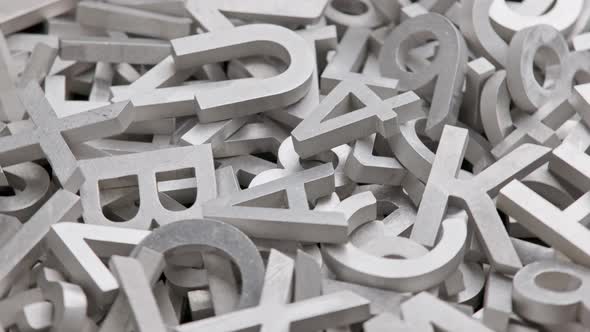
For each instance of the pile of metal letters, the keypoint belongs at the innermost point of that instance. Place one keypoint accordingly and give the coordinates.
(294, 165)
